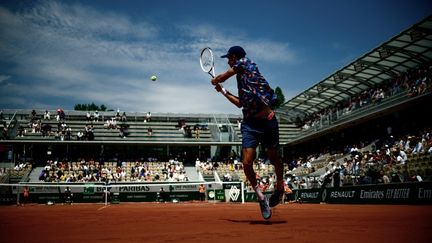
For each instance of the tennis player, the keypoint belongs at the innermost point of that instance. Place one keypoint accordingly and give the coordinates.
(259, 125)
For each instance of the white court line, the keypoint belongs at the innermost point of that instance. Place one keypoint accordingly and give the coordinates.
(103, 207)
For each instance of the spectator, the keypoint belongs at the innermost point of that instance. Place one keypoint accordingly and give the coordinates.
(33, 115)
(227, 176)
(239, 121)
(89, 133)
(5, 133)
(46, 130)
(197, 164)
(150, 131)
(148, 117)
(68, 133)
(63, 126)
(117, 116)
(417, 177)
(401, 156)
(201, 191)
(80, 135)
(337, 175)
(302, 184)
(60, 115)
(68, 196)
(123, 117)
(26, 195)
(197, 130)
(113, 123)
(395, 177)
(161, 195)
(47, 115)
(96, 115)
(288, 196)
(419, 149)
(107, 124)
(123, 130)
(181, 124)
(383, 178)
(187, 132)
(326, 178)
(21, 131)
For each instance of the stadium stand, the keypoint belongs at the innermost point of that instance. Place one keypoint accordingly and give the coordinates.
(93, 171)
(364, 124)
(134, 130)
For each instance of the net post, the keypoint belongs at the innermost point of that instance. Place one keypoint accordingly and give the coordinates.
(106, 195)
(18, 195)
(214, 193)
(242, 191)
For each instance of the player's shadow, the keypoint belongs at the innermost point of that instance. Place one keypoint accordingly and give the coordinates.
(263, 222)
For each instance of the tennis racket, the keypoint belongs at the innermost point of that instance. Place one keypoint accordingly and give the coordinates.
(207, 61)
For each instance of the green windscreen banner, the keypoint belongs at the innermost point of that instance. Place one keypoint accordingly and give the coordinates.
(395, 193)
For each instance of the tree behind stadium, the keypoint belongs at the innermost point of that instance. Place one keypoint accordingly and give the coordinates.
(280, 98)
(89, 107)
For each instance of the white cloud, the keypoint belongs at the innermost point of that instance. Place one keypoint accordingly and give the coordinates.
(273, 51)
(266, 50)
(3, 78)
(73, 52)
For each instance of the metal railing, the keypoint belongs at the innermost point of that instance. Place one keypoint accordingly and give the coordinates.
(12, 126)
(340, 117)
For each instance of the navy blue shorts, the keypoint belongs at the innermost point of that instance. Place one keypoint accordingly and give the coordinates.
(260, 130)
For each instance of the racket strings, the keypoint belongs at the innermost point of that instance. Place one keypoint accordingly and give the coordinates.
(207, 60)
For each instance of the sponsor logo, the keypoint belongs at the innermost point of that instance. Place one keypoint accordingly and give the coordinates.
(185, 188)
(400, 193)
(305, 195)
(134, 189)
(371, 194)
(234, 193)
(424, 193)
(342, 194)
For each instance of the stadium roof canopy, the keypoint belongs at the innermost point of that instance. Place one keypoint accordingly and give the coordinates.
(405, 51)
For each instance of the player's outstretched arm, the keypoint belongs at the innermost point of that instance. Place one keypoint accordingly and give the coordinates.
(232, 98)
(223, 76)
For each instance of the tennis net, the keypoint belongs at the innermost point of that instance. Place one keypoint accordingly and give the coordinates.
(120, 192)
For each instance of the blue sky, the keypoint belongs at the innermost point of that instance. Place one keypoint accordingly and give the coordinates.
(61, 53)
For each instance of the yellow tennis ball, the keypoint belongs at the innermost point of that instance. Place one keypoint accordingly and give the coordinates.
(153, 78)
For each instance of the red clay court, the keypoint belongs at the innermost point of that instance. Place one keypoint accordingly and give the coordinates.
(220, 222)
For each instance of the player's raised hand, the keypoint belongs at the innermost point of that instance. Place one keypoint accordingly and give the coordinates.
(218, 87)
